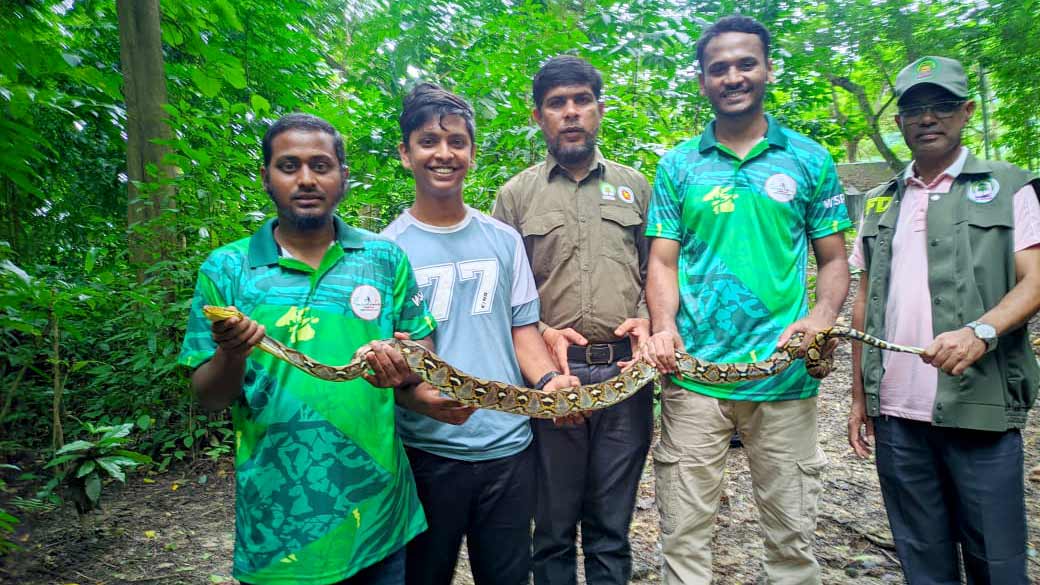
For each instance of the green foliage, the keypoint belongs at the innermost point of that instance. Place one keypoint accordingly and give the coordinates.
(82, 464)
(78, 319)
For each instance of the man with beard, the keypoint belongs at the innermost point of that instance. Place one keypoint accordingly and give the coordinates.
(323, 489)
(582, 219)
(951, 256)
(733, 213)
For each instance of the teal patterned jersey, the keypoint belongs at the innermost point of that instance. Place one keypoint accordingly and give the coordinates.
(323, 484)
(744, 228)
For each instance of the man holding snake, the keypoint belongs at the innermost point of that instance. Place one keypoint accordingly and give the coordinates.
(324, 493)
(476, 479)
(951, 255)
(733, 214)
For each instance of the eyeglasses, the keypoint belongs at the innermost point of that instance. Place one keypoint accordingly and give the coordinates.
(941, 110)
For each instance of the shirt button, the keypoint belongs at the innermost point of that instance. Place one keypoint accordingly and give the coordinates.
(938, 406)
(585, 267)
(938, 300)
(935, 243)
(581, 219)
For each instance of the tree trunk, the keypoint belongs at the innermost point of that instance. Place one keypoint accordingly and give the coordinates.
(984, 98)
(144, 88)
(57, 433)
(872, 120)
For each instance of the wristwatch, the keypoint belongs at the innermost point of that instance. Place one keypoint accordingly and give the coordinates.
(986, 332)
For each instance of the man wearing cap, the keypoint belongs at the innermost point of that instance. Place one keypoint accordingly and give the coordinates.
(582, 218)
(950, 250)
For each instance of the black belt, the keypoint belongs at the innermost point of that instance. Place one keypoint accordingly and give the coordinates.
(600, 353)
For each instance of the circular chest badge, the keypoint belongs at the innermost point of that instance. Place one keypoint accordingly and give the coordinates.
(366, 302)
(626, 194)
(781, 187)
(983, 191)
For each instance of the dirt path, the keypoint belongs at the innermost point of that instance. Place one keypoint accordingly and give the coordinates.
(177, 530)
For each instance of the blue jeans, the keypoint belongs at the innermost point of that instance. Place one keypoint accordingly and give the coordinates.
(945, 487)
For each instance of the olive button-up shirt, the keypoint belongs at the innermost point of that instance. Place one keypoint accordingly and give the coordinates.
(585, 241)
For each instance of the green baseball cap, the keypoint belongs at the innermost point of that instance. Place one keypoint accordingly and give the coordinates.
(946, 73)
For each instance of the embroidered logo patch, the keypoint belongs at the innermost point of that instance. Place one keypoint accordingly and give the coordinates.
(366, 302)
(926, 68)
(983, 190)
(626, 194)
(608, 191)
(781, 187)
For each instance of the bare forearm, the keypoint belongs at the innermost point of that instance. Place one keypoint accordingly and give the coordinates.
(832, 286)
(531, 353)
(662, 292)
(859, 308)
(1021, 303)
(218, 382)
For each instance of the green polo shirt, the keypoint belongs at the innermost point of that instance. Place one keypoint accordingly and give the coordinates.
(744, 227)
(323, 484)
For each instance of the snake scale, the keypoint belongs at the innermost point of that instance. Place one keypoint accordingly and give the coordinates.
(493, 395)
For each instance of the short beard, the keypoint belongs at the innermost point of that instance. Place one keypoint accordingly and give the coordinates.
(573, 154)
(304, 223)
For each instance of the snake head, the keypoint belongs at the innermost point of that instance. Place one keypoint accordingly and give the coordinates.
(217, 313)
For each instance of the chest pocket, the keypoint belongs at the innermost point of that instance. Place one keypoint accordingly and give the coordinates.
(547, 242)
(988, 231)
(618, 232)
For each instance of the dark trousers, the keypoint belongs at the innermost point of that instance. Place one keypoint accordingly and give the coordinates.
(943, 487)
(389, 571)
(590, 473)
(488, 502)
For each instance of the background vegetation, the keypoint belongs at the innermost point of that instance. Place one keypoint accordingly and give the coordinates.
(100, 241)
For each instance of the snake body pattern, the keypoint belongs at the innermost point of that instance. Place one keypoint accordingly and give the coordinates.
(481, 393)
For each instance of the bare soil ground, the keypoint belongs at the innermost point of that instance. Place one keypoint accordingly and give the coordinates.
(177, 528)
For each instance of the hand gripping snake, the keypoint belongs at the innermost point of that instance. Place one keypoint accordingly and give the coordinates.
(473, 391)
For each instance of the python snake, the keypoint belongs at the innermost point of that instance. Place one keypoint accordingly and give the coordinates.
(473, 391)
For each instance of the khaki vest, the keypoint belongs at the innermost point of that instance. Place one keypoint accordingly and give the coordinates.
(971, 267)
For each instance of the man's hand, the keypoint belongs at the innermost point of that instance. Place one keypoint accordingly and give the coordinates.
(861, 429)
(561, 382)
(637, 330)
(953, 351)
(389, 368)
(236, 336)
(660, 349)
(427, 400)
(558, 340)
(809, 326)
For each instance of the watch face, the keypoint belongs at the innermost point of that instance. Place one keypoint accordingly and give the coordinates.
(985, 331)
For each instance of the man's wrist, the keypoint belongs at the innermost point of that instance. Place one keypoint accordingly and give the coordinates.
(985, 333)
(545, 379)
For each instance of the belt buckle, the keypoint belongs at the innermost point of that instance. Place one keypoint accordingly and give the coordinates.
(593, 362)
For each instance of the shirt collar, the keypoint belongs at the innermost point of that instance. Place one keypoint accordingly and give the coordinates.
(952, 171)
(774, 135)
(553, 168)
(263, 249)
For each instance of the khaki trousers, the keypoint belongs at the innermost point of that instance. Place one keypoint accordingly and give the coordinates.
(689, 462)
